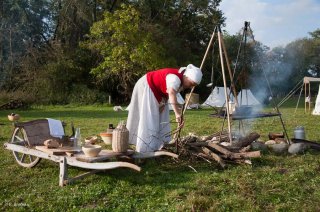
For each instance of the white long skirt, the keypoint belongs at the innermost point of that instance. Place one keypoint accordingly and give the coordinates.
(148, 128)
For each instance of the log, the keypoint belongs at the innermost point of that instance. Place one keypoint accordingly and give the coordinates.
(214, 156)
(253, 154)
(246, 141)
(197, 144)
(220, 149)
(232, 155)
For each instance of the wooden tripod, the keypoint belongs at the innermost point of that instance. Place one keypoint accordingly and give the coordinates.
(224, 60)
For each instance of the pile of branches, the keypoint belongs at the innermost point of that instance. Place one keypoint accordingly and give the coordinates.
(217, 147)
(13, 104)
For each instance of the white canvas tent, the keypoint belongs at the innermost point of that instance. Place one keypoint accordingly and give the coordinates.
(217, 98)
(245, 97)
(307, 81)
(316, 110)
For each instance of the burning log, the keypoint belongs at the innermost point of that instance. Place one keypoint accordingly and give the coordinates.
(246, 141)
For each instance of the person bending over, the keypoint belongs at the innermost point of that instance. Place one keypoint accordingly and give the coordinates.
(148, 118)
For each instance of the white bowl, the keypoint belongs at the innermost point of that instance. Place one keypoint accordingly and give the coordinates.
(91, 150)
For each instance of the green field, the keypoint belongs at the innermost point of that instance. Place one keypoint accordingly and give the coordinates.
(272, 182)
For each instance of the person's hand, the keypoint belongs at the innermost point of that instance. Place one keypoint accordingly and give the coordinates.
(180, 121)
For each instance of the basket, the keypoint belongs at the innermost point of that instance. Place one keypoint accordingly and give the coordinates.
(13, 117)
(120, 138)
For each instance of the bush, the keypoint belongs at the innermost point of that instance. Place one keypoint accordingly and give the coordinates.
(81, 94)
(24, 97)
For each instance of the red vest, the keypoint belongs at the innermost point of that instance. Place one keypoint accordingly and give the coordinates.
(157, 81)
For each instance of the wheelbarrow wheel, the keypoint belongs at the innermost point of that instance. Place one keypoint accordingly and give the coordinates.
(19, 137)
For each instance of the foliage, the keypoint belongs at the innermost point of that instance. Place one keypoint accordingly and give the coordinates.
(22, 25)
(40, 53)
(128, 51)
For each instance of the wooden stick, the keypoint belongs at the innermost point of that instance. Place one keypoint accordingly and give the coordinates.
(210, 43)
(201, 66)
(224, 83)
(229, 70)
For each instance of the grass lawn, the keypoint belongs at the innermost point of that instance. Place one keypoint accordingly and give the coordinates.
(272, 182)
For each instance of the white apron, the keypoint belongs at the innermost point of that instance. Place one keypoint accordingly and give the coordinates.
(148, 128)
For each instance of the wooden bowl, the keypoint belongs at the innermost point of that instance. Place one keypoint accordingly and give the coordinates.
(14, 117)
(106, 137)
(91, 150)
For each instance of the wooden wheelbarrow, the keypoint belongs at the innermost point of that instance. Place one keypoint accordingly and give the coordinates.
(27, 145)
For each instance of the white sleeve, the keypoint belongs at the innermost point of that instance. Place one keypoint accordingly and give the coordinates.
(173, 81)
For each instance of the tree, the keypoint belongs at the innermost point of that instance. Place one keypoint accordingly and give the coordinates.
(22, 25)
(315, 52)
(127, 50)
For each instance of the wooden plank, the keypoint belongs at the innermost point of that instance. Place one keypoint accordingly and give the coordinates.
(154, 154)
(58, 151)
(32, 152)
(72, 161)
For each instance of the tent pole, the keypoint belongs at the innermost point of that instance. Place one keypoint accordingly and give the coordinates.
(305, 96)
(309, 99)
(298, 99)
(225, 84)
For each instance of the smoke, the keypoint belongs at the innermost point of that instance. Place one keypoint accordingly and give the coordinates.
(272, 78)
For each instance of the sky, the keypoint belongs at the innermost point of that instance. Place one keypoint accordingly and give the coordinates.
(274, 22)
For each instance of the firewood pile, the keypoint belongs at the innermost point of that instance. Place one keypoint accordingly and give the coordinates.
(13, 104)
(217, 147)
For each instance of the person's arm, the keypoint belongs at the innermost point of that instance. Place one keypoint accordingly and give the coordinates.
(173, 85)
(172, 93)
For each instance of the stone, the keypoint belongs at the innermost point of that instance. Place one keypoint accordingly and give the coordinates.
(280, 140)
(297, 148)
(270, 142)
(258, 145)
(279, 148)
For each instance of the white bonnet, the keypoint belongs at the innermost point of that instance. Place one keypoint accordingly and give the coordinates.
(193, 73)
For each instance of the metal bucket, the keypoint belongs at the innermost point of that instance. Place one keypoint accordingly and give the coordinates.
(299, 133)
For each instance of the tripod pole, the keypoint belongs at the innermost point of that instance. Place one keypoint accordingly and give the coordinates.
(224, 83)
(201, 66)
(177, 135)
